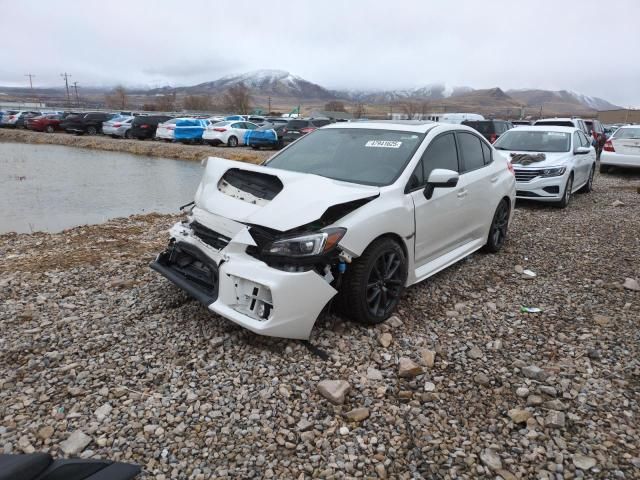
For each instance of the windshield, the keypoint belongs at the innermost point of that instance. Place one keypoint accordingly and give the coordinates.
(627, 133)
(528, 141)
(364, 156)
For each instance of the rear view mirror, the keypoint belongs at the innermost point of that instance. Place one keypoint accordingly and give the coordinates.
(440, 178)
(581, 151)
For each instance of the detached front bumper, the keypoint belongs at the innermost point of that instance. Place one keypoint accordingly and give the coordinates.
(545, 189)
(241, 288)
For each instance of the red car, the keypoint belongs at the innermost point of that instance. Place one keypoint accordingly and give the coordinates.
(44, 123)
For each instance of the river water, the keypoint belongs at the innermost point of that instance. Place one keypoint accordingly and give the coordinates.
(51, 187)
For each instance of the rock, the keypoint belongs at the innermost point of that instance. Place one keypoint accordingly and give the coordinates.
(617, 203)
(334, 390)
(45, 432)
(492, 306)
(631, 284)
(380, 470)
(506, 474)
(555, 419)
(535, 373)
(481, 379)
(602, 320)
(528, 274)
(407, 368)
(475, 353)
(385, 339)
(534, 400)
(429, 387)
(428, 357)
(394, 321)
(522, 392)
(344, 431)
(547, 390)
(519, 269)
(102, 412)
(357, 414)
(374, 374)
(555, 405)
(584, 463)
(518, 415)
(304, 425)
(215, 342)
(76, 442)
(491, 459)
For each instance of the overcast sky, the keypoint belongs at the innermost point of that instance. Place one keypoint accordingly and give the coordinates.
(588, 46)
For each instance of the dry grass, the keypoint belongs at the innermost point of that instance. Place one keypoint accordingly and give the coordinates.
(147, 147)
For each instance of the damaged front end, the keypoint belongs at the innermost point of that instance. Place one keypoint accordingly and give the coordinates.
(271, 281)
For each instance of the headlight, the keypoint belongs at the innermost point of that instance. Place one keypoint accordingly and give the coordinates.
(306, 245)
(553, 172)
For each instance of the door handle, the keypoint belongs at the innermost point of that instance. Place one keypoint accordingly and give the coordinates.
(494, 179)
(462, 193)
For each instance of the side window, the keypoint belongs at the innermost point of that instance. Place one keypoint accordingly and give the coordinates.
(237, 125)
(250, 126)
(471, 149)
(486, 152)
(416, 180)
(441, 153)
(584, 139)
(577, 141)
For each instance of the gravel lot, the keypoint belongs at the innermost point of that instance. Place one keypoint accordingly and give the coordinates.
(92, 341)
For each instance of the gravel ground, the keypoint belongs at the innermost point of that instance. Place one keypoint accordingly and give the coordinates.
(93, 342)
(151, 148)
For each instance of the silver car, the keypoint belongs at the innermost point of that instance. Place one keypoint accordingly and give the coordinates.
(118, 127)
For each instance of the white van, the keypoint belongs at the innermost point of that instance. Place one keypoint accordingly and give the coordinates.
(453, 117)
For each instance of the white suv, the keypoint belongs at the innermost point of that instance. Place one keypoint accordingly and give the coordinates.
(550, 162)
(356, 211)
(578, 123)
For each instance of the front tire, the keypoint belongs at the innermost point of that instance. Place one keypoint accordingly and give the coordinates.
(232, 142)
(92, 130)
(567, 193)
(374, 282)
(499, 226)
(127, 135)
(49, 129)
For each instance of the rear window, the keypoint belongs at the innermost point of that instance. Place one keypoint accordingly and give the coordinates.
(297, 124)
(627, 133)
(320, 123)
(558, 123)
(533, 141)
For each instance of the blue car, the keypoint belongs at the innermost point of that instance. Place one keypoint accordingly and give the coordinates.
(269, 136)
(189, 129)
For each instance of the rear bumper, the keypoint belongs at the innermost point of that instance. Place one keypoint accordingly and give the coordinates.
(245, 290)
(620, 160)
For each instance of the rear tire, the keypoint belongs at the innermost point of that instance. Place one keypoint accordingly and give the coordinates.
(374, 282)
(49, 129)
(567, 193)
(232, 142)
(588, 187)
(499, 226)
(92, 130)
(127, 135)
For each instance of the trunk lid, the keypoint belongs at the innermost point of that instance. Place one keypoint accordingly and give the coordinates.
(626, 146)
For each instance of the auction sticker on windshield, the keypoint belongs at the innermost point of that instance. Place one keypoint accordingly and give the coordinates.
(383, 144)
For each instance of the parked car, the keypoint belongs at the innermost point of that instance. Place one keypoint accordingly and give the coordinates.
(118, 127)
(166, 130)
(268, 135)
(296, 128)
(622, 149)
(16, 118)
(596, 130)
(566, 122)
(550, 162)
(89, 123)
(45, 123)
(609, 130)
(230, 133)
(189, 130)
(490, 129)
(357, 211)
(453, 117)
(517, 123)
(256, 119)
(145, 126)
(238, 118)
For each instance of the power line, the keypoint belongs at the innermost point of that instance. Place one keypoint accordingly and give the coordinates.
(75, 88)
(66, 76)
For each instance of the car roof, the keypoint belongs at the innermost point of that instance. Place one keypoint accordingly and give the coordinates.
(418, 126)
(547, 128)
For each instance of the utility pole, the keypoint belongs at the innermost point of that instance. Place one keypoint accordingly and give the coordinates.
(31, 77)
(269, 112)
(75, 88)
(66, 76)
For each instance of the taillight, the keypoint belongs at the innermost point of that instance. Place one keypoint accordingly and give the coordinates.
(11, 117)
(171, 127)
(510, 167)
(144, 126)
(117, 125)
(493, 137)
(219, 129)
(608, 146)
(307, 130)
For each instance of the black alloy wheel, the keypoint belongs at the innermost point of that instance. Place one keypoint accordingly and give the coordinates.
(499, 227)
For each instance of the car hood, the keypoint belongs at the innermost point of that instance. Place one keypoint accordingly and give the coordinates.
(552, 158)
(303, 198)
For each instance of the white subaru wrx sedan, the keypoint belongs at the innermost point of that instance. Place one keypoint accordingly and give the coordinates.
(551, 162)
(353, 212)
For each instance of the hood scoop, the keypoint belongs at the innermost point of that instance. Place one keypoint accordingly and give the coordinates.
(256, 188)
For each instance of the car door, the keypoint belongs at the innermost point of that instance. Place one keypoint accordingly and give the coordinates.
(477, 184)
(589, 159)
(439, 220)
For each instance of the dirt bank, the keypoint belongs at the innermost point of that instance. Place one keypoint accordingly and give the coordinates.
(139, 147)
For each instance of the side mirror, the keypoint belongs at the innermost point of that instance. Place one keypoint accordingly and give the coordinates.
(440, 178)
(581, 151)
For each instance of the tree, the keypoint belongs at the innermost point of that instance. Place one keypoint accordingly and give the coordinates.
(237, 99)
(118, 98)
(199, 103)
(334, 106)
(359, 110)
(166, 102)
(409, 109)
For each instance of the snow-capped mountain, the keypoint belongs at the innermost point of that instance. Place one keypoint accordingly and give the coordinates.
(561, 100)
(435, 91)
(266, 82)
